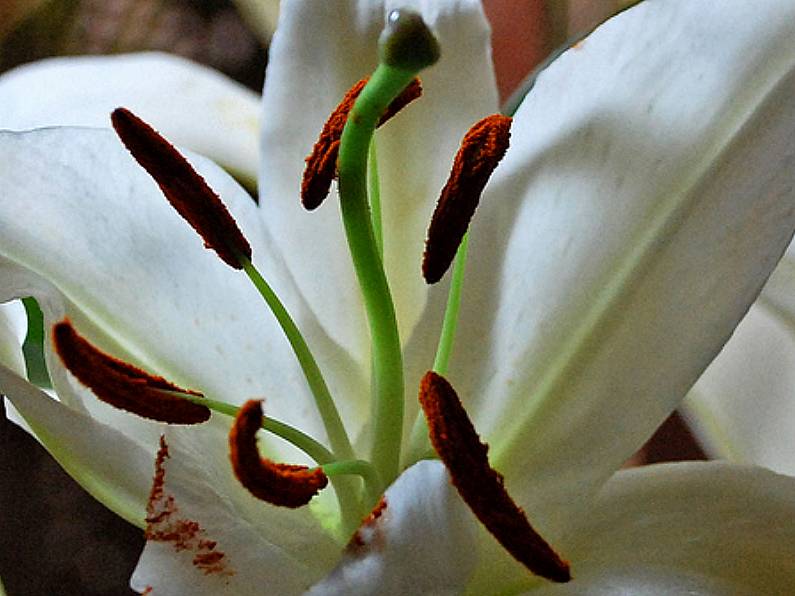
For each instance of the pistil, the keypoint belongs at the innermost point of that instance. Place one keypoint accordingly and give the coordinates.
(407, 46)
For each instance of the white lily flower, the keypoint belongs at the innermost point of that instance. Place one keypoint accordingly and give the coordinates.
(645, 198)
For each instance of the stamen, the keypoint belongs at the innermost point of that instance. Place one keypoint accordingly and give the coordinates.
(123, 385)
(285, 485)
(481, 150)
(458, 445)
(321, 164)
(184, 188)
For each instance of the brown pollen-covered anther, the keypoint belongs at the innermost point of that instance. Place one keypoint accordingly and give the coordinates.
(184, 188)
(123, 385)
(321, 164)
(481, 150)
(286, 485)
(455, 440)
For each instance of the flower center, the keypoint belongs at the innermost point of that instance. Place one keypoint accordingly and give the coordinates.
(344, 152)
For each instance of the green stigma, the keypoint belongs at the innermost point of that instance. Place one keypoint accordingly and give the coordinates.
(407, 43)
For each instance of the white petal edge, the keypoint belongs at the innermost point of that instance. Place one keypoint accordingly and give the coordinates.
(645, 199)
(695, 528)
(743, 406)
(194, 106)
(13, 328)
(422, 542)
(109, 466)
(318, 52)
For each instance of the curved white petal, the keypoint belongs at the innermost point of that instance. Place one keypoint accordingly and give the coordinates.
(696, 528)
(646, 198)
(13, 327)
(194, 106)
(319, 51)
(265, 548)
(87, 232)
(743, 406)
(111, 467)
(421, 542)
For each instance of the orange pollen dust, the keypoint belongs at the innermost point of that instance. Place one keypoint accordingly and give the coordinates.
(285, 485)
(455, 440)
(481, 150)
(321, 164)
(184, 188)
(123, 385)
(367, 533)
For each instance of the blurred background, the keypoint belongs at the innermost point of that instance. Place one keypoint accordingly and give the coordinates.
(54, 538)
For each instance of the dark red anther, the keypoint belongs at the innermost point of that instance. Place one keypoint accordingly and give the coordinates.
(321, 164)
(123, 385)
(481, 150)
(455, 440)
(286, 485)
(184, 188)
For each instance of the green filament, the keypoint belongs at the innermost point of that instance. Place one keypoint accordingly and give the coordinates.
(356, 467)
(450, 323)
(419, 446)
(332, 422)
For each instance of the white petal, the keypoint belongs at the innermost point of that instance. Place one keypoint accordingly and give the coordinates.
(13, 327)
(743, 407)
(111, 467)
(194, 106)
(87, 232)
(265, 548)
(646, 198)
(422, 542)
(319, 51)
(697, 528)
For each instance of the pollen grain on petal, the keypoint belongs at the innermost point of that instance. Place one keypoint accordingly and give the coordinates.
(285, 485)
(121, 384)
(184, 188)
(367, 534)
(321, 164)
(455, 440)
(481, 150)
(165, 524)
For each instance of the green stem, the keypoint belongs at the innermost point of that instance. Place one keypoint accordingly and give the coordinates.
(386, 83)
(357, 467)
(374, 190)
(419, 445)
(338, 437)
(450, 324)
